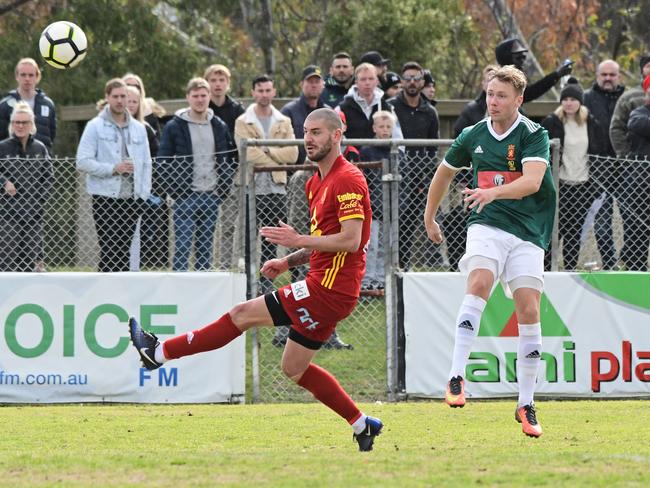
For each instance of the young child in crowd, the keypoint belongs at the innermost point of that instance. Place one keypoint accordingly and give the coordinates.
(383, 123)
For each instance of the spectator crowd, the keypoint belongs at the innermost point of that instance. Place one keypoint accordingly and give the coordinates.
(146, 172)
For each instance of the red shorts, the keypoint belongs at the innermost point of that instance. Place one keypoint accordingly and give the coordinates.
(314, 311)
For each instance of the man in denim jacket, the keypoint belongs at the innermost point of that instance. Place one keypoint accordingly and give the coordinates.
(114, 154)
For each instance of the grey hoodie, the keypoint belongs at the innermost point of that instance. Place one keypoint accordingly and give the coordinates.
(204, 178)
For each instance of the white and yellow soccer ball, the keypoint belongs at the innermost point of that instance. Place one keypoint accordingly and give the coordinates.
(63, 44)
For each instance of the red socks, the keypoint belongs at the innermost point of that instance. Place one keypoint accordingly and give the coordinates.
(315, 379)
(328, 391)
(212, 336)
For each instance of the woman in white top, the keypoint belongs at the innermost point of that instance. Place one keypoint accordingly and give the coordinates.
(578, 132)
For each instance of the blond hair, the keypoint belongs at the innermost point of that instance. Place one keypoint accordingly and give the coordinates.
(383, 115)
(219, 69)
(22, 108)
(140, 86)
(581, 116)
(31, 62)
(489, 68)
(365, 67)
(138, 114)
(196, 84)
(512, 76)
(147, 104)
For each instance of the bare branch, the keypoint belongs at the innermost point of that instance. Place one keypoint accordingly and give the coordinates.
(5, 9)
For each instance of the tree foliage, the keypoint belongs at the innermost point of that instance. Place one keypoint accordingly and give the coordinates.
(168, 42)
(123, 35)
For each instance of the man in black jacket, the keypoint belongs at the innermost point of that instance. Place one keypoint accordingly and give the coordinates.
(227, 109)
(298, 109)
(476, 110)
(364, 99)
(418, 120)
(197, 165)
(28, 75)
(512, 51)
(636, 178)
(601, 100)
(339, 80)
(223, 105)
(379, 62)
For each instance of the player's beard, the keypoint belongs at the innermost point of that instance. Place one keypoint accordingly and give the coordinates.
(320, 155)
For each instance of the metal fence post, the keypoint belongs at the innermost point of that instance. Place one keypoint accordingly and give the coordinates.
(248, 235)
(390, 184)
(240, 244)
(555, 172)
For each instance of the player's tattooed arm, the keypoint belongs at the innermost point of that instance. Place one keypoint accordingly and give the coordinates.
(301, 256)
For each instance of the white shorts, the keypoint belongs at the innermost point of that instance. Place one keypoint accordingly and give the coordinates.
(513, 256)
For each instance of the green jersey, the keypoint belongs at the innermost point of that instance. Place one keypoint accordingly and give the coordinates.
(497, 160)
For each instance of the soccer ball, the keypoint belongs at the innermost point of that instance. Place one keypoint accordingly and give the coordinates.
(63, 44)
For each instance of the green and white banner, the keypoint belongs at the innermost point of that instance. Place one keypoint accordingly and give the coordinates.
(595, 328)
(65, 338)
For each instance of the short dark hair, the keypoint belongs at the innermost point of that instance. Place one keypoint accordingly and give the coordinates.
(261, 79)
(341, 55)
(412, 65)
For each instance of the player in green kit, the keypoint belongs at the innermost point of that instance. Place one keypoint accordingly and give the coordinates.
(512, 209)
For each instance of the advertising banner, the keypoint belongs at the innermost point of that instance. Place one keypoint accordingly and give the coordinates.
(65, 337)
(595, 336)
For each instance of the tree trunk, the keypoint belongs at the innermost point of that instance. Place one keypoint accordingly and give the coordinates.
(258, 22)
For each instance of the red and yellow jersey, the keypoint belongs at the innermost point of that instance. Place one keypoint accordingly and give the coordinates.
(341, 196)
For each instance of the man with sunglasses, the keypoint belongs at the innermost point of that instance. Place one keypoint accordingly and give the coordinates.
(418, 120)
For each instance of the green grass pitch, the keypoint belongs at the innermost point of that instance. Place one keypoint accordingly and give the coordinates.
(585, 443)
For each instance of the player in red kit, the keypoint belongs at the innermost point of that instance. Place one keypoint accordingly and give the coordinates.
(339, 207)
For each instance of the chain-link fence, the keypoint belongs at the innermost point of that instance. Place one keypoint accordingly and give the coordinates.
(50, 222)
(356, 352)
(604, 216)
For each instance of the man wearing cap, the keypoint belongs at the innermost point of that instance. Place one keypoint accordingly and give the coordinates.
(429, 88)
(339, 80)
(636, 181)
(392, 85)
(600, 100)
(297, 110)
(512, 51)
(379, 62)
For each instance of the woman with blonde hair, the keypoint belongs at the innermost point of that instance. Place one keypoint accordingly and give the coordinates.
(151, 110)
(578, 132)
(149, 246)
(26, 180)
(134, 105)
